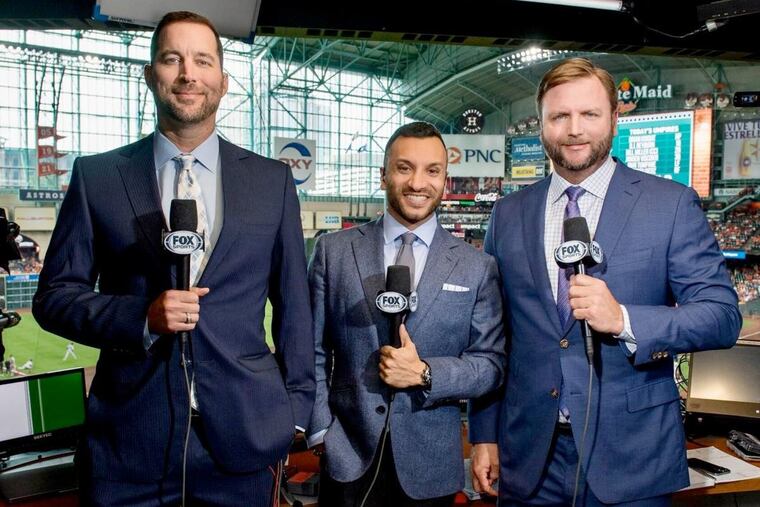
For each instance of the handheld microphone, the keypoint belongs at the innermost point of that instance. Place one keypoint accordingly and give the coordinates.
(579, 252)
(397, 299)
(182, 240)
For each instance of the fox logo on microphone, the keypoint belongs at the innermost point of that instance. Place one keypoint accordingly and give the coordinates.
(570, 252)
(391, 302)
(183, 242)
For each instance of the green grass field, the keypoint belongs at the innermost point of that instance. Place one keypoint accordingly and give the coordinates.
(29, 341)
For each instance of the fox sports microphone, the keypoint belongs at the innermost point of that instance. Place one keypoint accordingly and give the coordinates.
(397, 299)
(579, 252)
(182, 240)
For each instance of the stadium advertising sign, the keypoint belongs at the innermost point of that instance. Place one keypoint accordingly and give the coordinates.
(471, 121)
(735, 254)
(34, 219)
(527, 158)
(629, 94)
(307, 220)
(741, 149)
(528, 170)
(527, 148)
(40, 194)
(300, 155)
(475, 155)
(328, 220)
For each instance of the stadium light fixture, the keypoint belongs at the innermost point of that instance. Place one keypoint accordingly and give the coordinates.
(608, 5)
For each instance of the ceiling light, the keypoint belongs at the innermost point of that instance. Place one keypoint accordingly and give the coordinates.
(609, 5)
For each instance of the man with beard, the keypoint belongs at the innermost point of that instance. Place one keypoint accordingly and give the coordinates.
(661, 290)
(402, 450)
(205, 422)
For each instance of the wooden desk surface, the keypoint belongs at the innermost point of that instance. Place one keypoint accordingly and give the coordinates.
(726, 487)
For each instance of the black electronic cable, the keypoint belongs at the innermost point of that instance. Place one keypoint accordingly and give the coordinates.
(703, 28)
(585, 428)
(386, 430)
(188, 386)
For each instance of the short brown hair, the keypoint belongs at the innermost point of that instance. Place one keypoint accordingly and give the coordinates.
(183, 17)
(418, 129)
(570, 70)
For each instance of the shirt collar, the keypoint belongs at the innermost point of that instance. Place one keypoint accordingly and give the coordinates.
(392, 229)
(207, 153)
(596, 184)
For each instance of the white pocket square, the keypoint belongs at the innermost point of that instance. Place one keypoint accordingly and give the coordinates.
(455, 288)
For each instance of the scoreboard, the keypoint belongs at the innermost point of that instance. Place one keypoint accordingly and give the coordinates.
(674, 145)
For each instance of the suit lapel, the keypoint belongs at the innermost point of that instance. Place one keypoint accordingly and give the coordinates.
(138, 172)
(440, 262)
(368, 255)
(621, 197)
(534, 213)
(234, 181)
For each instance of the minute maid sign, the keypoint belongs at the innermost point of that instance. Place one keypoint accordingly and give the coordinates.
(300, 155)
(630, 93)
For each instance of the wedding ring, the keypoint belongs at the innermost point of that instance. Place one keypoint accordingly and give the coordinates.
(187, 318)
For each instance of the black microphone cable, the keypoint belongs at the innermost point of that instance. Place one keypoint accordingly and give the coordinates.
(399, 280)
(576, 230)
(183, 219)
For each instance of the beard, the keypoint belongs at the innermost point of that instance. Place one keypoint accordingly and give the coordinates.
(599, 151)
(411, 215)
(183, 115)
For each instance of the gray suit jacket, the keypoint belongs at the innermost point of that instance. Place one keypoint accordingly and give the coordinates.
(459, 334)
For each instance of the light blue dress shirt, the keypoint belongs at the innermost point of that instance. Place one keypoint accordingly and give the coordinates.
(392, 231)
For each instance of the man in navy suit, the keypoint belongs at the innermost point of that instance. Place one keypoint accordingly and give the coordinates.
(217, 430)
(661, 290)
(406, 450)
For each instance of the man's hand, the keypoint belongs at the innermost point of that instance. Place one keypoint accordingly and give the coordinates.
(401, 367)
(592, 301)
(175, 310)
(485, 467)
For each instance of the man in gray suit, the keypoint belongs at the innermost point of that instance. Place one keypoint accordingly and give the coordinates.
(404, 450)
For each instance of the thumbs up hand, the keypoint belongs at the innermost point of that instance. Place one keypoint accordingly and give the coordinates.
(401, 367)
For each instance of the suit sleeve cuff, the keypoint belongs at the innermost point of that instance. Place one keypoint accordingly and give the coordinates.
(316, 439)
(148, 338)
(626, 337)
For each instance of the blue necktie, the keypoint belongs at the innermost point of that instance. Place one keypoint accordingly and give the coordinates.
(563, 283)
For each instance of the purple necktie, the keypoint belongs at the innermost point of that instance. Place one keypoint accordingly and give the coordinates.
(563, 301)
(563, 279)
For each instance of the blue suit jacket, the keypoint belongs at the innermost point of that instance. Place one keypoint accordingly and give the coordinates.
(109, 231)
(660, 252)
(459, 334)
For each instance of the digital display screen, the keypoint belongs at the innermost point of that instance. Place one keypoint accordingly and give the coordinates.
(41, 404)
(725, 381)
(674, 145)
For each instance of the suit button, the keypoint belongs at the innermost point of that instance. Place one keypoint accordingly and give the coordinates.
(554, 393)
(380, 409)
(564, 343)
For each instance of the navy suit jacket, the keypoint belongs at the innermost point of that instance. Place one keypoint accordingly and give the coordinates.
(459, 334)
(659, 253)
(109, 231)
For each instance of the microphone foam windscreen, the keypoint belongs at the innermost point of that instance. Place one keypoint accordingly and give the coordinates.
(576, 229)
(398, 279)
(183, 215)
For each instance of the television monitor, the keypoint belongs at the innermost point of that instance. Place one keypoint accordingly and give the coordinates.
(41, 412)
(725, 382)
